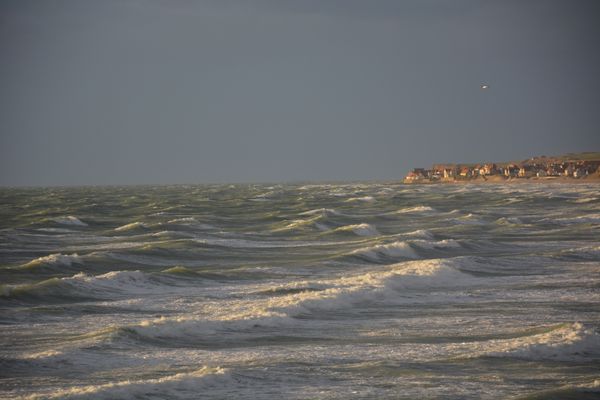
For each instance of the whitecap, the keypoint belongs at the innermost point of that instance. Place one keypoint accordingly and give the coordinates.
(582, 219)
(56, 259)
(298, 298)
(56, 230)
(131, 226)
(416, 209)
(420, 233)
(568, 342)
(395, 249)
(69, 220)
(359, 229)
(509, 221)
(440, 244)
(367, 199)
(321, 211)
(84, 285)
(182, 220)
(585, 200)
(164, 387)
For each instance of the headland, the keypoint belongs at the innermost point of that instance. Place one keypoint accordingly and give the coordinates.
(568, 168)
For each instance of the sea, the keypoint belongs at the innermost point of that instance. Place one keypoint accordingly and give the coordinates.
(300, 291)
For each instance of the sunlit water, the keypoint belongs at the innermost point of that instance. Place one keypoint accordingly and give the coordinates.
(291, 291)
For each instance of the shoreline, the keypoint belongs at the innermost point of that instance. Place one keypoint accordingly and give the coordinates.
(498, 180)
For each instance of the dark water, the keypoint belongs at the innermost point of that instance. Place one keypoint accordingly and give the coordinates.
(290, 291)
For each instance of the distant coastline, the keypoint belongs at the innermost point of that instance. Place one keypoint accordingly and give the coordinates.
(569, 168)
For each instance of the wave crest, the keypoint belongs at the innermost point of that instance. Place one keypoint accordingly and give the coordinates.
(567, 342)
(165, 387)
(379, 251)
(69, 220)
(415, 209)
(282, 305)
(359, 229)
(131, 226)
(82, 285)
(55, 260)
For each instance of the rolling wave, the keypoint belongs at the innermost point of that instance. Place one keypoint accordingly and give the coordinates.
(69, 220)
(82, 286)
(359, 229)
(170, 386)
(131, 226)
(415, 209)
(566, 342)
(54, 260)
(397, 249)
(405, 249)
(288, 302)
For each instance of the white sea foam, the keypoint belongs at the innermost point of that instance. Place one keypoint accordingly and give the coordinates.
(359, 229)
(416, 209)
(69, 220)
(585, 200)
(321, 211)
(172, 234)
(420, 233)
(440, 244)
(569, 342)
(298, 224)
(121, 281)
(131, 226)
(330, 294)
(582, 219)
(586, 252)
(182, 220)
(469, 219)
(56, 259)
(367, 199)
(171, 386)
(509, 221)
(81, 284)
(395, 249)
(40, 355)
(56, 230)
(248, 244)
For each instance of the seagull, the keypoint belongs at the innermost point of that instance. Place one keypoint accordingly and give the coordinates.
(484, 87)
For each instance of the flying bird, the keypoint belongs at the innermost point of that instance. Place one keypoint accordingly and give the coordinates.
(484, 86)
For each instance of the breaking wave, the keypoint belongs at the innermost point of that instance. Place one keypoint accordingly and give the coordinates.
(54, 260)
(566, 342)
(359, 229)
(404, 249)
(437, 245)
(166, 387)
(416, 209)
(420, 233)
(379, 251)
(83, 286)
(509, 221)
(321, 211)
(182, 220)
(69, 220)
(583, 219)
(285, 303)
(131, 226)
(367, 199)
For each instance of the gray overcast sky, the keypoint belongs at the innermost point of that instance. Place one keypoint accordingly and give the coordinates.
(157, 91)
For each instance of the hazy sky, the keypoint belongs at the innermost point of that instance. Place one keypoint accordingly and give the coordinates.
(168, 91)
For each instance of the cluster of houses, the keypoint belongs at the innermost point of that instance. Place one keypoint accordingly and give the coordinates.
(535, 168)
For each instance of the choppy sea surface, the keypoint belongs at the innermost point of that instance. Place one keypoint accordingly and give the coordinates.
(375, 290)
